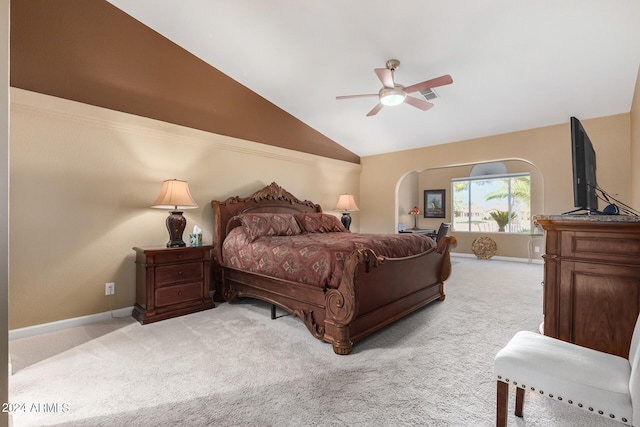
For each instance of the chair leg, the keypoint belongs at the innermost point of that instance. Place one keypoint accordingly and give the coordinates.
(502, 404)
(519, 401)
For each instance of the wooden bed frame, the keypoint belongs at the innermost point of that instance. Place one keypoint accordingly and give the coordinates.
(374, 291)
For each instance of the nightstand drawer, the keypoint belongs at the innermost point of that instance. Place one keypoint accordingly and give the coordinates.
(168, 274)
(179, 256)
(178, 293)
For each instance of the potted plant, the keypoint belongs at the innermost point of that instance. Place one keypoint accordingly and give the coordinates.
(502, 218)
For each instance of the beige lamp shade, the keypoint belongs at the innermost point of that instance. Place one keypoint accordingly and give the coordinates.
(346, 203)
(175, 195)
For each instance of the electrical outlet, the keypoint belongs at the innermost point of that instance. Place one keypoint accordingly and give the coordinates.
(109, 288)
(536, 249)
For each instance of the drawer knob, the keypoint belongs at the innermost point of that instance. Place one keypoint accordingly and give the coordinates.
(180, 293)
(180, 273)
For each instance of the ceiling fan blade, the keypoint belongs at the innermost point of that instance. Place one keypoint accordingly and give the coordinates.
(418, 103)
(375, 109)
(356, 96)
(385, 76)
(429, 84)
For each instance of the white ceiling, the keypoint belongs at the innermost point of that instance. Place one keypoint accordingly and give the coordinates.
(515, 64)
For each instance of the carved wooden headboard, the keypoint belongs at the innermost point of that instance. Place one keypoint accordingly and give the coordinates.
(271, 198)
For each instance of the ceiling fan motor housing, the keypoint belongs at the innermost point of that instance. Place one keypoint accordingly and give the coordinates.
(393, 64)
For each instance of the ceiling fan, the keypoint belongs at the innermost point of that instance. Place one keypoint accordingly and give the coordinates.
(393, 93)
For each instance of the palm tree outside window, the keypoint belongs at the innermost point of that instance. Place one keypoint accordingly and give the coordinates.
(499, 203)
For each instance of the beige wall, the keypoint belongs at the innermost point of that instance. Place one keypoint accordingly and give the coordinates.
(547, 150)
(635, 146)
(82, 180)
(408, 198)
(4, 197)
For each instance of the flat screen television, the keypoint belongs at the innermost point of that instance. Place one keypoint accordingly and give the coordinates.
(584, 170)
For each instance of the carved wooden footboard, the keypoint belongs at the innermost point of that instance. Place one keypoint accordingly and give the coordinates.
(373, 292)
(376, 291)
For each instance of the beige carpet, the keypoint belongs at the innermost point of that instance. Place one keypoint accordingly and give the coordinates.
(234, 366)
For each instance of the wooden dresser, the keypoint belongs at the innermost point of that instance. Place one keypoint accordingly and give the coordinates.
(592, 279)
(171, 282)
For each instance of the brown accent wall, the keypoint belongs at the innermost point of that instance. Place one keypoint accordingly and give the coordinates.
(92, 52)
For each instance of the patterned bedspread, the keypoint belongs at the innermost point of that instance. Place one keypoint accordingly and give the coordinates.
(313, 258)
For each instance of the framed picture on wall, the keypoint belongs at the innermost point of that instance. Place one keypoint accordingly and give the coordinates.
(434, 204)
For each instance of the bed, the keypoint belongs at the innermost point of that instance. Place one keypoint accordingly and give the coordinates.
(359, 291)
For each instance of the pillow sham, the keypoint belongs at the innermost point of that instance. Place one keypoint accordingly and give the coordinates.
(269, 224)
(319, 223)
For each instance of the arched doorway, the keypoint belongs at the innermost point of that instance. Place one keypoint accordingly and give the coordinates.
(410, 192)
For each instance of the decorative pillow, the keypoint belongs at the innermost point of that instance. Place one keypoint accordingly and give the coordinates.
(269, 224)
(319, 223)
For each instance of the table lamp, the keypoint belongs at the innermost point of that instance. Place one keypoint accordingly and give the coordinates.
(346, 204)
(175, 196)
(415, 212)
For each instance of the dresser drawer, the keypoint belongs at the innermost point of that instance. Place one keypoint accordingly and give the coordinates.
(178, 293)
(168, 274)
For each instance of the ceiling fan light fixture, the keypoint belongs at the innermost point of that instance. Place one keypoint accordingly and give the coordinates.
(393, 93)
(391, 97)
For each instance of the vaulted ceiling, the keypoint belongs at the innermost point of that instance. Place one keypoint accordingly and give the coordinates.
(92, 52)
(273, 69)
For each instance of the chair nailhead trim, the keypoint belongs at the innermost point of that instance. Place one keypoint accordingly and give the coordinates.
(570, 402)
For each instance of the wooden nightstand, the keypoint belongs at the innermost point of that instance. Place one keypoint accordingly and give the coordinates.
(171, 282)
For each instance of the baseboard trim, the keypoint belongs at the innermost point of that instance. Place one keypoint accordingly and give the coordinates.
(499, 258)
(45, 328)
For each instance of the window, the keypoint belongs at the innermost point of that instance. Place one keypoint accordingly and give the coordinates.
(497, 203)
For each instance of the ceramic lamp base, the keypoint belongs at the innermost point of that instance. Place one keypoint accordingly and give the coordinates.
(346, 220)
(175, 224)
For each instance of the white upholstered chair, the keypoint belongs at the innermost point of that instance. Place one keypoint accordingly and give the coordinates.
(598, 382)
